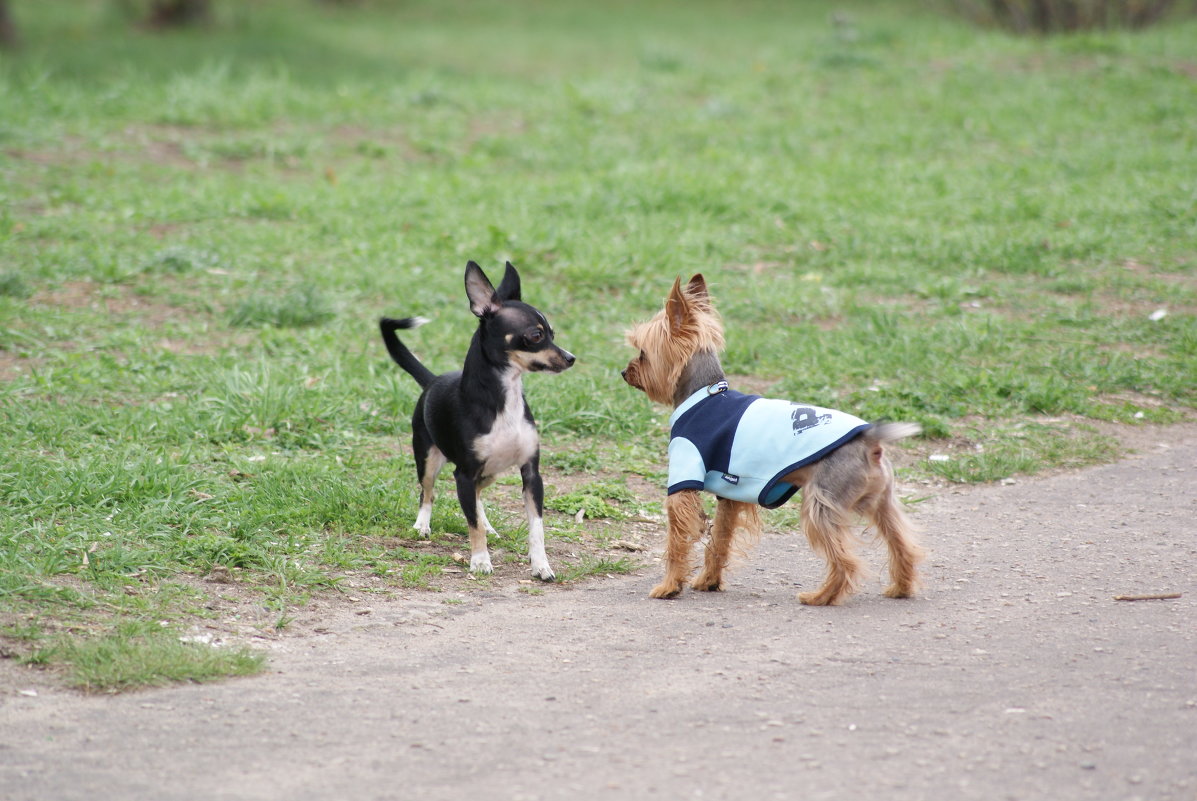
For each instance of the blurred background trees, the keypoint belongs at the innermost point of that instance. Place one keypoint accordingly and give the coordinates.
(149, 13)
(170, 13)
(1027, 17)
(1063, 16)
(8, 30)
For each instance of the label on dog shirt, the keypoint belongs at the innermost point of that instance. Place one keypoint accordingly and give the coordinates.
(739, 446)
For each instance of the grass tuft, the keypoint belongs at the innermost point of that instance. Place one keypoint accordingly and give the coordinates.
(144, 655)
(601, 499)
(593, 566)
(303, 306)
(179, 260)
(14, 286)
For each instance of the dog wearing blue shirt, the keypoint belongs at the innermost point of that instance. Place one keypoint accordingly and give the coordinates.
(754, 452)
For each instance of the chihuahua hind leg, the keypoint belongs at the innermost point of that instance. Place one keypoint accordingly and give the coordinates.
(467, 496)
(483, 521)
(429, 461)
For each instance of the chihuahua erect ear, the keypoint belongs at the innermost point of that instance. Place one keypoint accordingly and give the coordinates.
(481, 292)
(509, 287)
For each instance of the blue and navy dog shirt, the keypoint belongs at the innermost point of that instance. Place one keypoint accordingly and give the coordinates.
(739, 446)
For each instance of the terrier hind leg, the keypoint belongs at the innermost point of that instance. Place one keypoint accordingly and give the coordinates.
(830, 537)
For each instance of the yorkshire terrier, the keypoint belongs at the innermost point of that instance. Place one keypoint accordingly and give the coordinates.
(751, 452)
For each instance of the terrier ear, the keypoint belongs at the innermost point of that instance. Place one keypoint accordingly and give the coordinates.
(509, 287)
(697, 288)
(483, 298)
(677, 308)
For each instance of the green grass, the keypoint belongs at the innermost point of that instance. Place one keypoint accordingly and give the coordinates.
(591, 566)
(899, 215)
(144, 655)
(603, 499)
(997, 453)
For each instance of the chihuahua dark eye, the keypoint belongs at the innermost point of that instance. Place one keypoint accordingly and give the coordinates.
(535, 336)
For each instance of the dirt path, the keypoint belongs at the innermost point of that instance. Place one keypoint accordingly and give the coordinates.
(1016, 675)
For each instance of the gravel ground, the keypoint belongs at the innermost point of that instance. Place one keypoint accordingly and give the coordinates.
(1015, 675)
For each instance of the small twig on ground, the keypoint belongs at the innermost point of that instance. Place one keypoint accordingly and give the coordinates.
(1164, 596)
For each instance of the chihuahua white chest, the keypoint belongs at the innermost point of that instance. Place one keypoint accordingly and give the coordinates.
(512, 440)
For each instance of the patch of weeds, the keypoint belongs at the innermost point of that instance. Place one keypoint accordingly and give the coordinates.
(574, 457)
(1024, 450)
(529, 590)
(480, 581)
(259, 147)
(370, 149)
(660, 61)
(848, 60)
(419, 574)
(569, 531)
(511, 539)
(213, 550)
(271, 206)
(412, 568)
(300, 307)
(596, 566)
(24, 632)
(143, 654)
(179, 260)
(654, 471)
(14, 286)
(599, 499)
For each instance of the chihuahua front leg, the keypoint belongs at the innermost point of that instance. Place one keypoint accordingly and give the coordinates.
(534, 506)
(467, 496)
(687, 523)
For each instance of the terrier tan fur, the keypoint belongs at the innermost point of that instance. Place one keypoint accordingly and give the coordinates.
(678, 358)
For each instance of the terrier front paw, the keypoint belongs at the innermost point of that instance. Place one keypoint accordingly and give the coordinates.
(480, 563)
(543, 572)
(707, 583)
(665, 590)
(424, 530)
(819, 599)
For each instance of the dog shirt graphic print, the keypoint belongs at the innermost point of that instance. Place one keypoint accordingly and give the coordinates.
(739, 446)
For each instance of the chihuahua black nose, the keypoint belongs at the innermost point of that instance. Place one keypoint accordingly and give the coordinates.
(569, 358)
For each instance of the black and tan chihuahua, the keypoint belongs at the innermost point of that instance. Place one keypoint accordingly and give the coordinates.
(477, 417)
